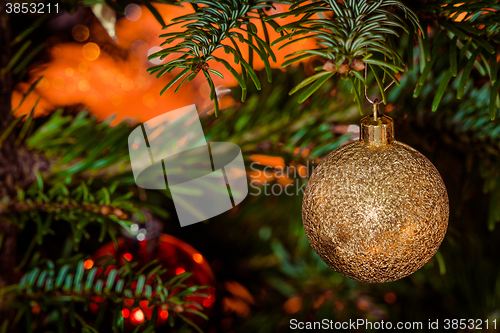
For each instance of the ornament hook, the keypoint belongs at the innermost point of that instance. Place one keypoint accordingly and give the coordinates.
(375, 109)
(376, 100)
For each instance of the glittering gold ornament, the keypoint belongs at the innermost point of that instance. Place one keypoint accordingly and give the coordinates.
(375, 210)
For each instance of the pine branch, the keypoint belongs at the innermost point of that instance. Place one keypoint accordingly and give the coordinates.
(287, 128)
(81, 146)
(467, 34)
(205, 31)
(59, 287)
(350, 35)
(79, 205)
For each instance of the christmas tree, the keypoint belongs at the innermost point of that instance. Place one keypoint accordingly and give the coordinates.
(84, 248)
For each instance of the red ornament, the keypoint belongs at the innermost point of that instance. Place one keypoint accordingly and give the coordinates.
(173, 254)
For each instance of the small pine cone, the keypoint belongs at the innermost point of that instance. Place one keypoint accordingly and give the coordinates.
(178, 308)
(329, 66)
(344, 68)
(293, 304)
(118, 212)
(105, 210)
(35, 309)
(357, 64)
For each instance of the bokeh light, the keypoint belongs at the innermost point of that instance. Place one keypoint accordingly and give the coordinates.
(83, 67)
(69, 71)
(390, 297)
(133, 12)
(198, 258)
(149, 100)
(88, 264)
(137, 316)
(125, 313)
(91, 51)
(58, 82)
(80, 33)
(152, 50)
(84, 85)
(164, 314)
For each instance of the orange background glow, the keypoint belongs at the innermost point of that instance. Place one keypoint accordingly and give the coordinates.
(82, 73)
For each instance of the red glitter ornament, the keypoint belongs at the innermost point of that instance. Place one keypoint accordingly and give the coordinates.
(173, 254)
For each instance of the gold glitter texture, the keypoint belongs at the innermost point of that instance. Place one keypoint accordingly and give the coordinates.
(375, 210)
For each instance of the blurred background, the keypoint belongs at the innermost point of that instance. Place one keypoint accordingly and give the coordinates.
(93, 89)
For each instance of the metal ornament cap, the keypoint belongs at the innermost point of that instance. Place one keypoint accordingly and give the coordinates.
(375, 210)
(377, 132)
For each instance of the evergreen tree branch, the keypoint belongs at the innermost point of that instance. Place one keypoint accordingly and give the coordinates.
(79, 205)
(81, 146)
(213, 26)
(467, 34)
(110, 284)
(350, 35)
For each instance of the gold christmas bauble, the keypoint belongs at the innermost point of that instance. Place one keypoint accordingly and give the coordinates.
(375, 210)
